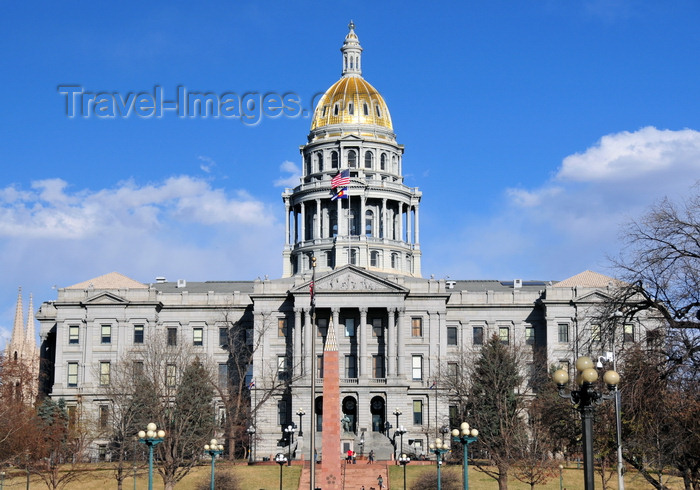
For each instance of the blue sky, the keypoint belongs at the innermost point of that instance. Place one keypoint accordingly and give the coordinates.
(533, 128)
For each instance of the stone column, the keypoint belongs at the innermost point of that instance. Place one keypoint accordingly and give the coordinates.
(391, 343)
(417, 241)
(362, 343)
(298, 355)
(401, 350)
(384, 233)
(286, 222)
(331, 456)
(401, 236)
(409, 237)
(308, 338)
(303, 222)
(319, 228)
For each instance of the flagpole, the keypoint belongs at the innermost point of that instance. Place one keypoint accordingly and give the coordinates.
(312, 446)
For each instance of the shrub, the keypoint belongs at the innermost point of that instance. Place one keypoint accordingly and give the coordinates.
(223, 480)
(451, 480)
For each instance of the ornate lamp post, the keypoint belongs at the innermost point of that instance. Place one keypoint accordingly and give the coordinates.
(289, 431)
(397, 413)
(585, 399)
(214, 449)
(301, 413)
(439, 448)
(465, 436)
(281, 460)
(403, 461)
(401, 430)
(151, 437)
(251, 432)
(561, 477)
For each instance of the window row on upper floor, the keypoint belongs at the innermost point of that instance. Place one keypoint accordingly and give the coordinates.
(320, 161)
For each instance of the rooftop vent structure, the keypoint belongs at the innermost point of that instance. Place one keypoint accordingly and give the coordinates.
(517, 283)
(161, 279)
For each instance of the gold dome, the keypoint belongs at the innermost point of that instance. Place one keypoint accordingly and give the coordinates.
(351, 100)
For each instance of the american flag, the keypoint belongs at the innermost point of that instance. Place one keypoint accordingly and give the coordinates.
(251, 385)
(341, 180)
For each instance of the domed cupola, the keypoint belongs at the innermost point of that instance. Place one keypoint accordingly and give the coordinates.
(370, 221)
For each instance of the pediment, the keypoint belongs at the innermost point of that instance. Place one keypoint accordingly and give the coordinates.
(350, 137)
(593, 297)
(105, 298)
(350, 279)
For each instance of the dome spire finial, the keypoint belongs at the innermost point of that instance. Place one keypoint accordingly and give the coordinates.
(352, 53)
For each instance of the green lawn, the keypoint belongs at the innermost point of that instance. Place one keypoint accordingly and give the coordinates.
(266, 477)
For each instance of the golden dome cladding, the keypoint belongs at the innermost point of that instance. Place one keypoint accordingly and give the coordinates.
(351, 100)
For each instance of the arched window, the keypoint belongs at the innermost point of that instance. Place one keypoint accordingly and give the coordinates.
(374, 258)
(382, 161)
(333, 222)
(393, 164)
(352, 159)
(334, 159)
(351, 109)
(320, 161)
(368, 159)
(369, 222)
(335, 109)
(353, 256)
(365, 109)
(325, 107)
(379, 111)
(394, 261)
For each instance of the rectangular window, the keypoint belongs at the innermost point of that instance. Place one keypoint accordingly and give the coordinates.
(138, 334)
(563, 333)
(595, 333)
(654, 338)
(377, 327)
(104, 373)
(628, 333)
(322, 325)
(282, 413)
(416, 327)
(319, 366)
(530, 335)
(350, 366)
(378, 366)
(106, 334)
(104, 416)
(223, 337)
(454, 416)
(223, 375)
(453, 372)
(172, 336)
(72, 374)
(349, 327)
(72, 416)
(73, 334)
(417, 412)
(417, 367)
(281, 327)
(504, 335)
(198, 336)
(170, 375)
(451, 335)
(138, 369)
(281, 365)
(102, 452)
(478, 338)
(564, 364)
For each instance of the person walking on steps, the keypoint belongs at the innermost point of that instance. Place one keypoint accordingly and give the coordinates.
(370, 457)
(380, 482)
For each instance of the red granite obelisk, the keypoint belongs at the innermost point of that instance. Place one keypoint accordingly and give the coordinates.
(330, 438)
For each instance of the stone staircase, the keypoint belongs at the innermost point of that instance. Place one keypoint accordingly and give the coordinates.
(355, 476)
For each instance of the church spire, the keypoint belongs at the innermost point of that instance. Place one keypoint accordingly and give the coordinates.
(14, 348)
(352, 53)
(30, 334)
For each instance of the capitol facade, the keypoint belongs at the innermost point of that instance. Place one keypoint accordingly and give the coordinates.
(398, 334)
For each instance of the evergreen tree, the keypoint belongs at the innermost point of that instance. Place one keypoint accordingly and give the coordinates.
(495, 407)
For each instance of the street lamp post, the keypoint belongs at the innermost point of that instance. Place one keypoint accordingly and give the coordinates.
(251, 432)
(403, 461)
(401, 430)
(289, 431)
(281, 460)
(585, 398)
(214, 449)
(465, 436)
(151, 437)
(439, 448)
(397, 413)
(301, 413)
(561, 477)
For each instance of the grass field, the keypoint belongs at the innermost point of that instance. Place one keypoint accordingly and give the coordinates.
(266, 477)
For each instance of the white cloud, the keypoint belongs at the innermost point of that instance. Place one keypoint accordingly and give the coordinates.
(292, 180)
(572, 222)
(630, 155)
(207, 163)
